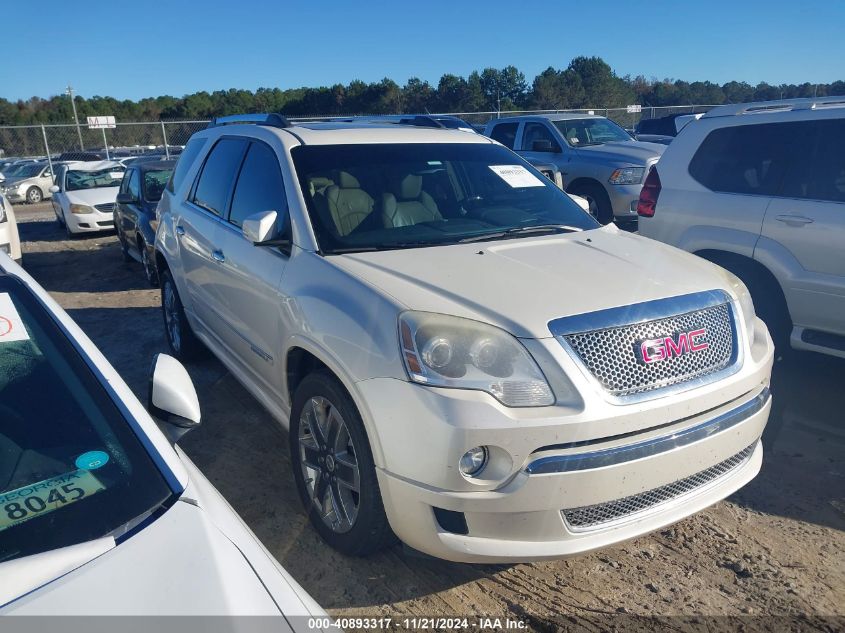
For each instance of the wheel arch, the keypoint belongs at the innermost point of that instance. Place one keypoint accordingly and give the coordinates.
(304, 356)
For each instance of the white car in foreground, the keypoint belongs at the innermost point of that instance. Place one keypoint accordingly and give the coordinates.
(463, 356)
(10, 242)
(84, 195)
(99, 513)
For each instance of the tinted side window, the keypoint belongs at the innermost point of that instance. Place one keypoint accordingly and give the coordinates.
(820, 175)
(186, 158)
(749, 159)
(218, 173)
(259, 187)
(537, 132)
(134, 186)
(505, 133)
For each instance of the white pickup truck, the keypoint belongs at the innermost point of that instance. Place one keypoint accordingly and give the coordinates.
(449, 341)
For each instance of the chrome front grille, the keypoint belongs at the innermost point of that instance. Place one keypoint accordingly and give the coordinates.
(105, 208)
(612, 354)
(603, 514)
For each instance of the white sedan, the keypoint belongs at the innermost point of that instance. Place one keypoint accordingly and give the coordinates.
(10, 242)
(84, 195)
(100, 513)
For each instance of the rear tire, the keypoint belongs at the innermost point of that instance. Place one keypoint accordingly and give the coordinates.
(600, 207)
(181, 339)
(330, 450)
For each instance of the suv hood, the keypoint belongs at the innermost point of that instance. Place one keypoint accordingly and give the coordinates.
(15, 182)
(636, 152)
(522, 284)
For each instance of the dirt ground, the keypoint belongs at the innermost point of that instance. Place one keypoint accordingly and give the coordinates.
(771, 557)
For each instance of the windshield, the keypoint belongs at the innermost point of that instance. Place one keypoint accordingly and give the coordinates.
(71, 469)
(154, 184)
(28, 171)
(108, 177)
(374, 197)
(12, 170)
(582, 132)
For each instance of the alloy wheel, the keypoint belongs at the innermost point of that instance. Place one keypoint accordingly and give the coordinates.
(329, 464)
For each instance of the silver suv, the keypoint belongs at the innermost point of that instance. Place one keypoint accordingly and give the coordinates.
(598, 159)
(759, 188)
(445, 335)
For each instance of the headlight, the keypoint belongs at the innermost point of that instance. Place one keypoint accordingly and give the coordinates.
(627, 176)
(81, 209)
(447, 351)
(745, 302)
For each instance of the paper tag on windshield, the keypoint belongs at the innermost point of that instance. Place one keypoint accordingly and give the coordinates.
(516, 176)
(11, 325)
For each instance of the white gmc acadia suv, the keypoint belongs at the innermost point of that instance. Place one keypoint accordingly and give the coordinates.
(759, 188)
(449, 341)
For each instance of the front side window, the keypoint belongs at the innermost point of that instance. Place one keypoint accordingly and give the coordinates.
(71, 468)
(586, 132)
(385, 196)
(259, 187)
(218, 173)
(537, 132)
(505, 133)
(747, 159)
(78, 179)
(134, 186)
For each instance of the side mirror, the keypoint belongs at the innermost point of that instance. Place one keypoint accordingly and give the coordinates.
(126, 198)
(259, 228)
(54, 189)
(172, 399)
(543, 145)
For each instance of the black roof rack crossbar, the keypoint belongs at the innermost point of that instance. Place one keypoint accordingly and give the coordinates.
(272, 119)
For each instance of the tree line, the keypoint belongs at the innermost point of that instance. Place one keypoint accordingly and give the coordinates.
(587, 82)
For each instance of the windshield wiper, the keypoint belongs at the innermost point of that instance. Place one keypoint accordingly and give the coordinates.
(537, 229)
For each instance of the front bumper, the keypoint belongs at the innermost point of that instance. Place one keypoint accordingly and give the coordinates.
(623, 199)
(90, 222)
(549, 460)
(14, 197)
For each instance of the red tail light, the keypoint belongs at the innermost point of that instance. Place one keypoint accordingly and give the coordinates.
(649, 194)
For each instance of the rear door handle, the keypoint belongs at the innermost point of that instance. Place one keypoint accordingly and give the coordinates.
(218, 256)
(794, 220)
(180, 231)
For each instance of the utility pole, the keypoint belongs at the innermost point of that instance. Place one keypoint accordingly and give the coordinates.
(69, 92)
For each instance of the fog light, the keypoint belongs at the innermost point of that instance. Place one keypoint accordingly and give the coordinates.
(473, 461)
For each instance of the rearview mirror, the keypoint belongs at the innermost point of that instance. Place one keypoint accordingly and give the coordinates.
(126, 198)
(172, 399)
(54, 189)
(543, 145)
(260, 227)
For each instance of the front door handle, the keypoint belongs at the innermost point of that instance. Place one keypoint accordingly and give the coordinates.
(794, 220)
(180, 231)
(218, 256)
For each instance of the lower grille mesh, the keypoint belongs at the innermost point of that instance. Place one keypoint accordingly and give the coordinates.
(589, 517)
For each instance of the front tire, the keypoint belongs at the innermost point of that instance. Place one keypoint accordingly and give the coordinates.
(180, 337)
(34, 195)
(600, 206)
(334, 470)
(150, 271)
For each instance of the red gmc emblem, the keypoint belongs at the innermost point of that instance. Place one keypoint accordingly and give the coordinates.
(654, 350)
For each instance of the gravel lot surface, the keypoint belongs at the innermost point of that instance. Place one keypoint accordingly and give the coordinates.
(770, 556)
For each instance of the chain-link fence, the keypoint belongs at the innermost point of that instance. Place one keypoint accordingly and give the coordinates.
(168, 137)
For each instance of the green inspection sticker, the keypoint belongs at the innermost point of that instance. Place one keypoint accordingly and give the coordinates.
(30, 501)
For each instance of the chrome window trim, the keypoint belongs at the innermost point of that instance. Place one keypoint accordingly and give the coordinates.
(637, 313)
(553, 464)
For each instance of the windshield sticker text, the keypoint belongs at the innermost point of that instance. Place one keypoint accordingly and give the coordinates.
(11, 325)
(28, 502)
(516, 176)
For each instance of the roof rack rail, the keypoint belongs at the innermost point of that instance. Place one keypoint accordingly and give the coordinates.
(416, 120)
(272, 119)
(757, 107)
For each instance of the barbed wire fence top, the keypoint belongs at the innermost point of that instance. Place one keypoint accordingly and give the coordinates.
(30, 141)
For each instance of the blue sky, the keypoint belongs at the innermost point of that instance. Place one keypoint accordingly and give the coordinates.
(130, 49)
